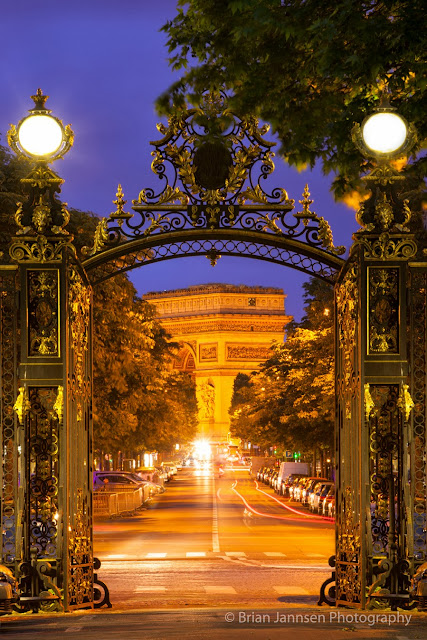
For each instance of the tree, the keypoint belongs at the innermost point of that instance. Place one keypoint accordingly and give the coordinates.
(138, 398)
(311, 69)
(291, 400)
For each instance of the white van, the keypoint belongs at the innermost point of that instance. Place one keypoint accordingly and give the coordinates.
(288, 468)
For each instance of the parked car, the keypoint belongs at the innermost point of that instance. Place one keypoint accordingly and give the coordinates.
(289, 481)
(327, 499)
(331, 508)
(171, 466)
(311, 483)
(114, 479)
(259, 473)
(298, 488)
(318, 495)
(273, 478)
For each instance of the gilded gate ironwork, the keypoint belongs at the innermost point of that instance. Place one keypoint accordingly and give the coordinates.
(214, 165)
(381, 388)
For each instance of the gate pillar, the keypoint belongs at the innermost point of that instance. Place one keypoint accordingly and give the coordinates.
(381, 402)
(51, 541)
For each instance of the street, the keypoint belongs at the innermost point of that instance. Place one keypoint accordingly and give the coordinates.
(213, 559)
(212, 542)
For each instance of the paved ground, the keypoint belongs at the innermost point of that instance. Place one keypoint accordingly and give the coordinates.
(215, 559)
(217, 624)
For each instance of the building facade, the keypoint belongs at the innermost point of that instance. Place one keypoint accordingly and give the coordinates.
(224, 330)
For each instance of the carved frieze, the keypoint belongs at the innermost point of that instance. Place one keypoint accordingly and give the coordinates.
(247, 352)
(208, 352)
(184, 328)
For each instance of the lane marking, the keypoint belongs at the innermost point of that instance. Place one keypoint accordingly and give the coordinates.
(150, 589)
(316, 555)
(73, 629)
(196, 554)
(117, 556)
(235, 553)
(215, 533)
(291, 591)
(156, 555)
(274, 554)
(219, 589)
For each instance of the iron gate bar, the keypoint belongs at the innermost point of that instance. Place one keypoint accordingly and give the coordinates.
(322, 264)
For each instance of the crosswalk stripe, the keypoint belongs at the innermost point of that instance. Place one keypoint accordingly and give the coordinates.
(274, 554)
(220, 589)
(235, 553)
(156, 555)
(291, 591)
(196, 554)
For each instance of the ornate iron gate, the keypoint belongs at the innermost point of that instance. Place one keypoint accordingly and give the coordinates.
(381, 322)
(381, 397)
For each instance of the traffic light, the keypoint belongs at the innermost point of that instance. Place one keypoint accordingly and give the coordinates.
(297, 455)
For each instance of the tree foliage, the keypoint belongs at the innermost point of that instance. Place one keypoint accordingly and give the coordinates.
(311, 69)
(139, 400)
(291, 400)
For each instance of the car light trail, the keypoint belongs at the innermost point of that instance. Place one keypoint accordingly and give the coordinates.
(260, 513)
(285, 506)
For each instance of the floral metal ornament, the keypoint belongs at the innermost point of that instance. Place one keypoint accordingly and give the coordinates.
(22, 405)
(213, 168)
(405, 402)
(369, 403)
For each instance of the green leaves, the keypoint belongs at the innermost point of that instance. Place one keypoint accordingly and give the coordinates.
(290, 402)
(310, 69)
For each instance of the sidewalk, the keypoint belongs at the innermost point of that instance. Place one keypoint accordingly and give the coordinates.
(219, 624)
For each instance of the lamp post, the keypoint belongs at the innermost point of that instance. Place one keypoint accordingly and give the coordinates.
(43, 139)
(53, 551)
(381, 286)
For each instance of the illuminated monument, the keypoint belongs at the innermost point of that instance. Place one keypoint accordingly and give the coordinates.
(224, 330)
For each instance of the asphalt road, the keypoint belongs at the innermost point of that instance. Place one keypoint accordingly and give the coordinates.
(215, 560)
(214, 542)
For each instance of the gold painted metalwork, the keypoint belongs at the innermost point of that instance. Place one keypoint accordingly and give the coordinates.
(43, 312)
(213, 168)
(369, 403)
(22, 405)
(383, 311)
(387, 247)
(405, 402)
(58, 407)
(119, 214)
(79, 296)
(99, 240)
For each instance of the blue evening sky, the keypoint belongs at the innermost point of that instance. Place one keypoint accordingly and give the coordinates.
(103, 63)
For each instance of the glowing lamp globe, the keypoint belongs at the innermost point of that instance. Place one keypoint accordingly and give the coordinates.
(384, 132)
(40, 135)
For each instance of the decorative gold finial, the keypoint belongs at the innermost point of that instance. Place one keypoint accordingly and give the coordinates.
(213, 256)
(39, 100)
(120, 202)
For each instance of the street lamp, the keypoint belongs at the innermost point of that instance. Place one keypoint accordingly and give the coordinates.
(42, 138)
(40, 135)
(383, 134)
